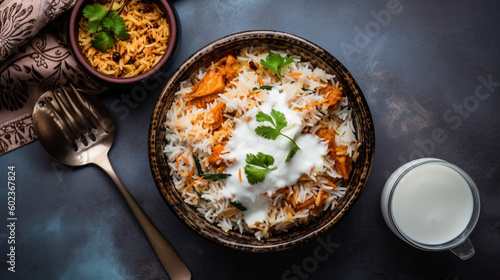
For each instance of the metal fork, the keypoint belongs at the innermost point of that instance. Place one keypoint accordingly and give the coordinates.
(77, 129)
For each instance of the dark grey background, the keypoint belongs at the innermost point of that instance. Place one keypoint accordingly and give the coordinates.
(418, 63)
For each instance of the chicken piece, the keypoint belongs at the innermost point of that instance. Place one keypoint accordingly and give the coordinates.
(285, 191)
(341, 151)
(343, 166)
(343, 163)
(214, 157)
(201, 102)
(333, 95)
(214, 117)
(211, 84)
(221, 134)
(218, 75)
(320, 201)
(304, 204)
(228, 67)
(328, 135)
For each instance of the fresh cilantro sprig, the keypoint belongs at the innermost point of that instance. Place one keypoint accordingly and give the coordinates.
(257, 167)
(105, 24)
(213, 177)
(278, 122)
(276, 62)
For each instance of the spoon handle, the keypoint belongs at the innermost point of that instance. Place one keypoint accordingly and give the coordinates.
(172, 263)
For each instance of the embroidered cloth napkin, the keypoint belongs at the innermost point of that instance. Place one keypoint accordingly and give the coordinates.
(34, 57)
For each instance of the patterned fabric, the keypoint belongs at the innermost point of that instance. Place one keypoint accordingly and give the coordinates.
(21, 20)
(34, 58)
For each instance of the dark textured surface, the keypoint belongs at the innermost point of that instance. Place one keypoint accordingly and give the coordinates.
(419, 71)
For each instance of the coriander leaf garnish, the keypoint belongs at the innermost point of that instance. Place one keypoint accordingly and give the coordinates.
(257, 167)
(94, 12)
(93, 26)
(213, 177)
(276, 62)
(292, 152)
(263, 117)
(102, 41)
(254, 174)
(278, 121)
(267, 132)
(107, 24)
(116, 23)
(261, 160)
(238, 205)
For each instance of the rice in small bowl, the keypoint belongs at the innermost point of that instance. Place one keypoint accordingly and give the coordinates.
(151, 39)
(207, 131)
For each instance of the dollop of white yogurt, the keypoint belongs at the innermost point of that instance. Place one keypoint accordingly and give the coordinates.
(245, 141)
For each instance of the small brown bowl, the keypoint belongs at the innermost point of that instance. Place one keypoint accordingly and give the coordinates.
(309, 52)
(76, 15)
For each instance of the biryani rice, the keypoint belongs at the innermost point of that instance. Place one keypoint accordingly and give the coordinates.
(149, 35)
(185, 137)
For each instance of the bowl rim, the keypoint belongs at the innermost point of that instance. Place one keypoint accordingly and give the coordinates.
(157, 123)
(82, 60)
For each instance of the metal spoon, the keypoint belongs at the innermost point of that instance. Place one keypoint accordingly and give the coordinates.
(76, 129)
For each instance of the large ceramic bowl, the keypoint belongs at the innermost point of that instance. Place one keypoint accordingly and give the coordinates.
(76, 15)
(309, 52)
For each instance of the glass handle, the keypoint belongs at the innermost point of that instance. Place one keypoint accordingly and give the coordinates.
(464, 250)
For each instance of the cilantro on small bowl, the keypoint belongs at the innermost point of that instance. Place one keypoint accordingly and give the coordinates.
(105, 24)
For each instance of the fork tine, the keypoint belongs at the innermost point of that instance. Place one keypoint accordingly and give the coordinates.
(75, 116)
(90, 116)
(80, 112)
(63, 123)
(67, 115)
(76, 113)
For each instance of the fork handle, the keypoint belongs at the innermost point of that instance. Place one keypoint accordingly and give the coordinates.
(172, 263)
